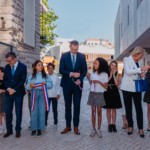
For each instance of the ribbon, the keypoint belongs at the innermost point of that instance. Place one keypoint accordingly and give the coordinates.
(33, 96)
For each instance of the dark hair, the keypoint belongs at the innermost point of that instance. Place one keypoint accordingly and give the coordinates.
(52, 65)
(116, 65)
(34, 70)
(103, 66)
(76, 43)
(2, 69)
(10, 54)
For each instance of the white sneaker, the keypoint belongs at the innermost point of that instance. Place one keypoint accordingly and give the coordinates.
(55, 127)
(1, 130)
(99, 133)
(93, 132)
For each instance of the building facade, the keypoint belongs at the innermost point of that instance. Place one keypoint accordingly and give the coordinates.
(132, 28)
(20, 27)
(92, 48)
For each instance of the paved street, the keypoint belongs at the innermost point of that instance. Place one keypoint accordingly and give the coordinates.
(51, 140)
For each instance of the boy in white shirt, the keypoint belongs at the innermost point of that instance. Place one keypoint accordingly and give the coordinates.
(53, 94)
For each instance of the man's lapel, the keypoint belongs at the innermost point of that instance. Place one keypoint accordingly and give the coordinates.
(77, 61)
(70, 61)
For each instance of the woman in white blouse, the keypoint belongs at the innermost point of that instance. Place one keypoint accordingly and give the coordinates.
(132, 69)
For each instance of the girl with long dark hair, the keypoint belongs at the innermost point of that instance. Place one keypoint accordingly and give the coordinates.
(98, 80)
(112, 97)
(38, 83)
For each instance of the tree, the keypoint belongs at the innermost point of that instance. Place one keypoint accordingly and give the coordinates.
(47, 25)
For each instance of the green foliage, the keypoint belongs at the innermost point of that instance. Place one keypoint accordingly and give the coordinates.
(47, 25)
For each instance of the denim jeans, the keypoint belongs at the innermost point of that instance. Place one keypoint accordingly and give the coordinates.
(38, 114)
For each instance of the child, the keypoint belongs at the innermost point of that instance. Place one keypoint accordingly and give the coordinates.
(2, 99)
(112, 97)
(147, 97)
(38, 83)
(53, 94)
(98, 80)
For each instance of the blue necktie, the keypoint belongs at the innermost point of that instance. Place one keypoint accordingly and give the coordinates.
(73, 61)
(12, 70)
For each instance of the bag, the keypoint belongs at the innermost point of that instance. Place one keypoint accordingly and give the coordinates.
(141, 85)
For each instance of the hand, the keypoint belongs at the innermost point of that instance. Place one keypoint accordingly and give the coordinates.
(58, 97)
(32, 85)
(75, 74)
(144, 68)
(11, 91)
(95, 81)
(2, 91)
(142, 75)
(43, 83)
(78, 82)
(88, 75)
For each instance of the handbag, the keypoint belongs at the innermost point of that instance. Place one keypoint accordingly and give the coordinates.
(141, 85)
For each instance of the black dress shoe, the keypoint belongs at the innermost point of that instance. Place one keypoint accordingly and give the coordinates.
(114, 128)
(18, 134)
(33, 133)
(141, 134)
(8, 134)
(39, 133)
(130, 132)
(109, 128)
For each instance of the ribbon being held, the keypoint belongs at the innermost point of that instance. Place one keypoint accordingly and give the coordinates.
(33, 96)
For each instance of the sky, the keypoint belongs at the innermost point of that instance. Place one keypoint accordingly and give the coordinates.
(82, 19)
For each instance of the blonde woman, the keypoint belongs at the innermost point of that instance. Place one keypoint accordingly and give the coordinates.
(132, 69)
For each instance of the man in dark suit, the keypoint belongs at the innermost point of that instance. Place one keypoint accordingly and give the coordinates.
(14, 78)
(73, 68)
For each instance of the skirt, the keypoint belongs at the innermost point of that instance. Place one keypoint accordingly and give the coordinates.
(147, 97)
(2, 103)
(96, 99)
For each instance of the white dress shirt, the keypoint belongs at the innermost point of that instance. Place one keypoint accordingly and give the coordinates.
(56, 90)
(15, 65)
(102, 77)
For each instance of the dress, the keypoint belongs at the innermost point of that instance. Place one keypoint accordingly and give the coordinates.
(2, 98)
(147, 93)
(112, 96)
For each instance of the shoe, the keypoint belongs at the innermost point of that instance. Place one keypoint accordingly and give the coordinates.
(8, 134)
(114, 128)
(93, 132)
(66, 130)
(33, 133)
(18, 134)
(39, 133)
(55, 127)
(109, 128)
(76, 131)
(141, 133)
(1, 130)
(99, 133)
(130, 132)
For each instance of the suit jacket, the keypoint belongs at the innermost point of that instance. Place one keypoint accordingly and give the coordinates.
(131, 73)
(66, 68)
(17, 80)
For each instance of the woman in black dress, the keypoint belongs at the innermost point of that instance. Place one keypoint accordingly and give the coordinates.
(112, 97)
(147, 97)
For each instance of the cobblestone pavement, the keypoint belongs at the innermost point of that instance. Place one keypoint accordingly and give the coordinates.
(53, 140)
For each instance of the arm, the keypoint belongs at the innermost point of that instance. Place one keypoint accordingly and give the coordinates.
(29, 81)
(83, 69)
(62, 69)
(6, 80)
(128, 70)
(23, 79)
(49, 83)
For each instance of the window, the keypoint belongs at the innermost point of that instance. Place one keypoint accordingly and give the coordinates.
(138, 3)
(29, 22)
